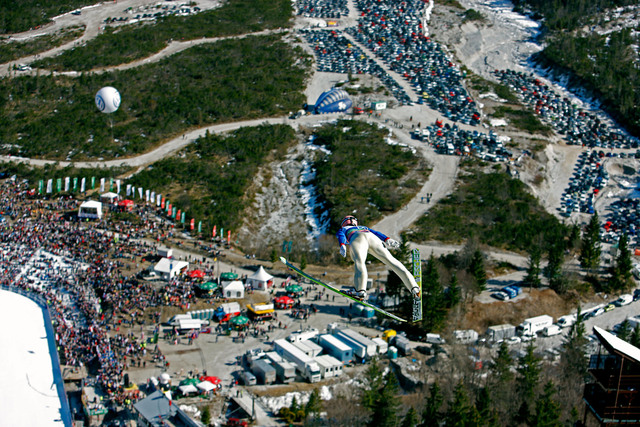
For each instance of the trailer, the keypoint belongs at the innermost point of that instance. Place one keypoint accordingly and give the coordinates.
(466, 336)
(305, 365)
(501, 332)
(533, 325)
(350, 335)
(285, 370)
(260, 311)
(264, 372)
(336, 348)
(329, 366)
(309, 348)
(382, 345)
(403, 345)
(226, 311)
(303, 335)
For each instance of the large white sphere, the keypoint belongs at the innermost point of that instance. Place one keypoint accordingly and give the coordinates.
(108, 99)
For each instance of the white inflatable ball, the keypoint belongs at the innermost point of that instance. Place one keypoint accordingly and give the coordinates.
(108, 99)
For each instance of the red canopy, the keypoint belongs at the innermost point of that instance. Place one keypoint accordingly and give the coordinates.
(212, 380)
(195, 274)
(125, 203)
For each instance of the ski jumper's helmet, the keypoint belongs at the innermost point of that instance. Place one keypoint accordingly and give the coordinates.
(348, 220)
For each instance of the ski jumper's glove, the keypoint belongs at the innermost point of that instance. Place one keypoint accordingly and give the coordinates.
(343, 250)
(391, 244)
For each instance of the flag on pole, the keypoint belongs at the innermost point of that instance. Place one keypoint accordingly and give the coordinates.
(222, 233)
(102, 185)
(162, 203)
(59, 184)
(118, 186)
(159, 199)
(67, 184)
(228, 237)
(50, 186)
(183, 217)
(110, 184)
(174, 211)
(147, 194)
(128, 189)
(178, 215)
(199, 226)
(83, 181)
(40, 186)
(75, 183)
(93, 182)
(193, 224)
(140, 192)
(153, 197)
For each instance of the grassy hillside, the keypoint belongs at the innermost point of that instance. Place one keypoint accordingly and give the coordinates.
(18, 16)
(495, 209)
(55, 117)
(363, 174)
(211, 179)
(123, 44)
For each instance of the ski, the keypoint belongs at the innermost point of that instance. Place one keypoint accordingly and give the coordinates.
(416, 309)
(339, 292)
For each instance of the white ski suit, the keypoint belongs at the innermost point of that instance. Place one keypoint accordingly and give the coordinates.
(362, 241)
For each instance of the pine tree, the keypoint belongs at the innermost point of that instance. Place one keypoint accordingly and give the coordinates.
(386, 403)
(432, 297)
(373, 378)
(553, 270)
(547, 410)
(477, 270)
(273, 257)
(532, 279)
(410, 419)
(314, 404)
(500, 381)
(528, 369)
(621, 271)
(431, 415)
(634, 339)
(452, 294)
(458, 412)
(590, 250)
(303, 261)
(624, 330)
(484, 406)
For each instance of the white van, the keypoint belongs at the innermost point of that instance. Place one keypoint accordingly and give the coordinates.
(624, 300)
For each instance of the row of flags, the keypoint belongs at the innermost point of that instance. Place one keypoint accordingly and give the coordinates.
(73, 185)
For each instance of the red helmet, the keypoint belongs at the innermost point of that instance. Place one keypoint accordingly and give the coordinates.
(348, 220)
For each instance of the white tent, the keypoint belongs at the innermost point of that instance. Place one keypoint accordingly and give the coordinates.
(169, 268)
(206, 386)
(260, 280)
(233, 289)
(187, 388)
(90, 209)
(109, 197)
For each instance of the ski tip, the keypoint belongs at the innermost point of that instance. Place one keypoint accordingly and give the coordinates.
(283, 260)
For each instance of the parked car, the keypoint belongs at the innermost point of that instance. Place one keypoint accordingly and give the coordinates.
(502, 296)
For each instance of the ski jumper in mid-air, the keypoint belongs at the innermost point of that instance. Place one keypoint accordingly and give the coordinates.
(362, 241)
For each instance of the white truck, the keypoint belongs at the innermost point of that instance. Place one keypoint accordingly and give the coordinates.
(305, 365)
(303, 335)
(533, 325)
(551, 330)
(566, 321)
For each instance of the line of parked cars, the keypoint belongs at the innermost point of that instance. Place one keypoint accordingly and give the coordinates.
(507, 292)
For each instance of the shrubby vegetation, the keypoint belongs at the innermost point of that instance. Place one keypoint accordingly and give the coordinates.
(11, 50)
(53, 171)
(210, 181)
(363, 174)
(18, 16)
(495, 209)
(123, 44)
(55, 117)
(606, 65)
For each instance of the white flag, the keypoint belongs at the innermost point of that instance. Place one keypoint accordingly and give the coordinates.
(146, 196)
(153, 197)
(102, 185)
(67, 181)
(50, 186)
(82, 184)
(128, 190)
(158, 199)
(118, 186)
(140, 191)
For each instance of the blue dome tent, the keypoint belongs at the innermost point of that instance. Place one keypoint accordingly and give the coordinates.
(333, 101)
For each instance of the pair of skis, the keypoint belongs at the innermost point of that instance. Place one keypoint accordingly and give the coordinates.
(416, 312)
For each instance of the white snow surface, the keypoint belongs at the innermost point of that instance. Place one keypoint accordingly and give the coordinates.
(28, 394)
